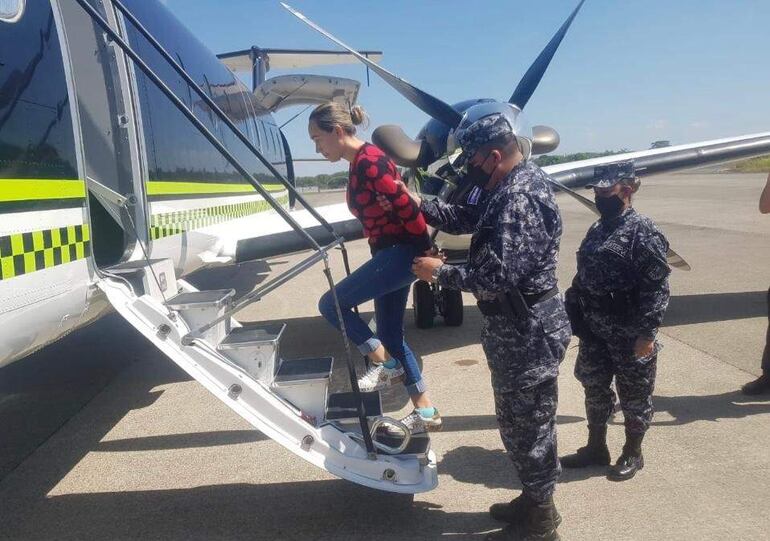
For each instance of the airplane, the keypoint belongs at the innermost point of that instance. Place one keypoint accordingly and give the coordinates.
(131, 156)
(428, 158)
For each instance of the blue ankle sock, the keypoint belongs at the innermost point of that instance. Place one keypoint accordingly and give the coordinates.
(390, 363)
(426, 412)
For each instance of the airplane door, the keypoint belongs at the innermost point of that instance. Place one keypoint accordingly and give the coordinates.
(108, 135)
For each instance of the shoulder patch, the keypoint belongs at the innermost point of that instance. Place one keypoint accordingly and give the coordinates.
(651, 266)
(618, 248)
(474, 196)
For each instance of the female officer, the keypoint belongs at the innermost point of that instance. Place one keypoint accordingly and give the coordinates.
(616, 304)
(395, 239)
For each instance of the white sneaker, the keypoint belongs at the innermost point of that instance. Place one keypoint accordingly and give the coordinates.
(379, 376)
(416, 424)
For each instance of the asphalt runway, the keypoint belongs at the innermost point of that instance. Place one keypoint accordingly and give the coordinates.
(104, 438)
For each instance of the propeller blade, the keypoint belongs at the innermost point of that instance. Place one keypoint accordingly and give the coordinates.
(531, 79)
(436, 108)
(672, 258)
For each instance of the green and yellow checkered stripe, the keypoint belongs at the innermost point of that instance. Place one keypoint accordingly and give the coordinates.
(175, 223)
(24, 253)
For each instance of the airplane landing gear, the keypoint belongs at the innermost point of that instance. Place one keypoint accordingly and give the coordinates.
(430, 298)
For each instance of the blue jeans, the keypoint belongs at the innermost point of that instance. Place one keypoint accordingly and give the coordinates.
(386, 278)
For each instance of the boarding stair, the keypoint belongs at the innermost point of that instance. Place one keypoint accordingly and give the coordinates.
(288, 400)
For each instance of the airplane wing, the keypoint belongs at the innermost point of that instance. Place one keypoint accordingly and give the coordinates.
(576, 174)
(277, 237)
(261, 236)
(668, 159)
(267, 234)
(291, 58)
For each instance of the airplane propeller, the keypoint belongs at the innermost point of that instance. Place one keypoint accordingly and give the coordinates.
(417, 153)
(429, 104)
(433, 106)
(534, 74)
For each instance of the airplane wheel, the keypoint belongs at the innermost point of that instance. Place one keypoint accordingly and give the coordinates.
(424, 305)
(453, 307)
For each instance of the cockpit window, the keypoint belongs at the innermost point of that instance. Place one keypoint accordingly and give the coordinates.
(11, 10)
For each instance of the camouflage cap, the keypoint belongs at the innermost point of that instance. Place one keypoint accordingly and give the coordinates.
(483, 131)
(606, 176)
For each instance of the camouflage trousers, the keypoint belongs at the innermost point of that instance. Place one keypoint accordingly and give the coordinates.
(524, 357)
(598, 362)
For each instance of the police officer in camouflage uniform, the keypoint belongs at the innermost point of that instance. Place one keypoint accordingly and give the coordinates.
(616, 304)
(511, 270)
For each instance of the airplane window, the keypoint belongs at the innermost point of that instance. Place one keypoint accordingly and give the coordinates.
(11, 10)
(36, 135)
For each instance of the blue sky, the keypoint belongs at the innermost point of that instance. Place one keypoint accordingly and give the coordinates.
(628, 73)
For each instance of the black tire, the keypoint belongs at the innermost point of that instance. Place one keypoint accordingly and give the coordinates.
(453, 307)
(424, 305)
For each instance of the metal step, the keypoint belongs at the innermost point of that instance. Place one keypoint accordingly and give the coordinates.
(198, 308)
(305, 383)
(255, 348)
(140, 276)
(252, 334)
(303, 370)
(344, 405)
(216, 298)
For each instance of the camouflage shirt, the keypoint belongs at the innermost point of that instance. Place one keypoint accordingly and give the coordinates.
(626, 257)
(516, 232)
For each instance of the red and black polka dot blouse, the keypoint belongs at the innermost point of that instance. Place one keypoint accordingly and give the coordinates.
(373, 173)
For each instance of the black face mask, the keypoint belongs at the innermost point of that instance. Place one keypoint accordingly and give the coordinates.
(609, 207)
(476, 175)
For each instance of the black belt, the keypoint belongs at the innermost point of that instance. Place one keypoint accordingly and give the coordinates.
(616, 302)
(507, 305)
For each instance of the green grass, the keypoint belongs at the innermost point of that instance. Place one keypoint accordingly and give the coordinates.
(753, 165)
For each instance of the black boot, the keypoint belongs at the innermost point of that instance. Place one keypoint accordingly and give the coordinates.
(631, 461)
(515, 511)
(759, 386)
(538, 525)
(595, 453)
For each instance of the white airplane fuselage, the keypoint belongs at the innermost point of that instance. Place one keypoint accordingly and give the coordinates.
(76, 115)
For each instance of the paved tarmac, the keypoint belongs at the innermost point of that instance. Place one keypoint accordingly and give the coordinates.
(104, 438)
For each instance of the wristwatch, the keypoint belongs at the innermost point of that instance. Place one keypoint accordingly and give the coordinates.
(434, 274)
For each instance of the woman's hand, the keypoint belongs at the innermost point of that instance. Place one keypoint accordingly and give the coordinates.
(387, 206)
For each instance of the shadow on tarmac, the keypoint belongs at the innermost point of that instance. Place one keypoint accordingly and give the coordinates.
(296, 510)
(191, 440)
(42, 392)
(493, 469)
(688, 409)
(691, 309)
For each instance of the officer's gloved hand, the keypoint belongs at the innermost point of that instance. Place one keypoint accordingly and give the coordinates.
(575, 313)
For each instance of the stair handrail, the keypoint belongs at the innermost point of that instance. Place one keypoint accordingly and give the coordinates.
(261, 291)
(128, 51)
